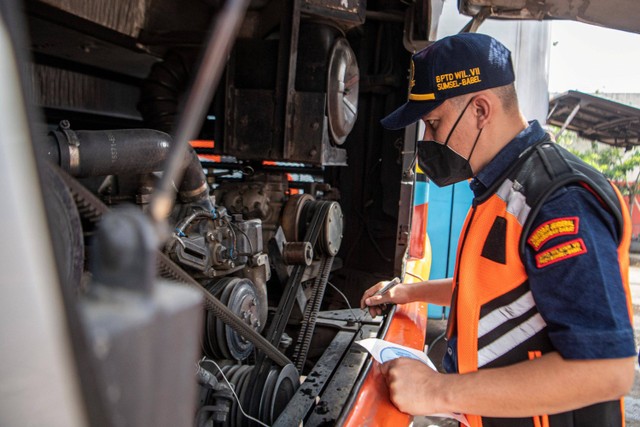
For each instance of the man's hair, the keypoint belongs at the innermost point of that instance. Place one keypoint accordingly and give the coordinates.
(506, 94)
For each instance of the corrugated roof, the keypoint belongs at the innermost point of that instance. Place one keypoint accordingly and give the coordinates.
(596, 118)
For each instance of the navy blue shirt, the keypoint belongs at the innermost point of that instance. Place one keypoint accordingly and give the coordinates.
(581, 298)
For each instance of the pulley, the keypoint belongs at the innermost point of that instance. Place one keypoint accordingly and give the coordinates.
(297, 215)
(276, 391)
(239, 295)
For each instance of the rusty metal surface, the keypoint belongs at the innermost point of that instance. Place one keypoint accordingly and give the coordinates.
(124, 16)
(619, 14)
(596, 118)
(348, 12)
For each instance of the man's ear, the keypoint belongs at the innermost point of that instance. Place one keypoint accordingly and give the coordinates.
(482, 108)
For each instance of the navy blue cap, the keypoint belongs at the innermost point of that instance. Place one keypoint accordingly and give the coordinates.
(452, 66)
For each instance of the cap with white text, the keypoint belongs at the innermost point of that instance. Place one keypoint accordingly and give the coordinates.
(453, 66)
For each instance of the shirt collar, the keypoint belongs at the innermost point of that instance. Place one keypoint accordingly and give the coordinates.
(505, 158)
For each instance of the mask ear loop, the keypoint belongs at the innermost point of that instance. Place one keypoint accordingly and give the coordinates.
(474, 146)
(446, 142)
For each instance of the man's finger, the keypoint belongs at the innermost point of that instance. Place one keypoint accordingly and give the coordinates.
(384, 369)
(365, 296)
(377, 300)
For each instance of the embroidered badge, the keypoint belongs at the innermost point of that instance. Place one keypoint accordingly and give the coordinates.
(561, 252)
(550, 229)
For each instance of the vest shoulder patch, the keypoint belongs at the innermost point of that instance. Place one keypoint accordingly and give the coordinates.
(561, 252)
(553, 228)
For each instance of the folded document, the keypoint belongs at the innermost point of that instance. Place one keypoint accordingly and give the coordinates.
(384, 351)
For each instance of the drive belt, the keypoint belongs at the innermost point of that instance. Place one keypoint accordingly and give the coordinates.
(281, 317)
(308, 324)
(91, 208)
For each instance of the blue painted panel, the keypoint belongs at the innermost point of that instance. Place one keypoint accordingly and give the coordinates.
(448, 208)
(421, 193)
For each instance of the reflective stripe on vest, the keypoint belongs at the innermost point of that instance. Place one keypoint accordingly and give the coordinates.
(494, 302)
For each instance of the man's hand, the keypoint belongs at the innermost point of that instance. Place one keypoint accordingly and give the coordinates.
(413, 386)
(397, 295)
(546, 385)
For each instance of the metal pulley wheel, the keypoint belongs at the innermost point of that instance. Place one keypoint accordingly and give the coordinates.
(292, 220)
(66, 228)
(222, 341)
(285, 387)
(276, 391)
(297, 253)
(297, 214)
(330, 238)
(244, 302)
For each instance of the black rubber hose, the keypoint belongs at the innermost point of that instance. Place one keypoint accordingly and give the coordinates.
(164, 88)
(161, 95)
(87, 153)
(110, 152)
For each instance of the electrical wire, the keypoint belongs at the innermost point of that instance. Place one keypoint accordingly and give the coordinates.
(415, 275)
(245, 235)
(188, 220)
(232, 388)
(355, 318)
(435, 340)
(233, 255)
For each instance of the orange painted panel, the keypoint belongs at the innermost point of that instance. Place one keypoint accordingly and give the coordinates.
(201, 143)
(372, 407)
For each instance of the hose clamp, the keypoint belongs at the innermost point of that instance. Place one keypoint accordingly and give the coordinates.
(74, 147)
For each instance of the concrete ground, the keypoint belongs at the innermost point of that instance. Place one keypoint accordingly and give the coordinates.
(632, 400)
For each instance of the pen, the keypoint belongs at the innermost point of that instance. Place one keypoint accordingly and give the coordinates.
(386, 288)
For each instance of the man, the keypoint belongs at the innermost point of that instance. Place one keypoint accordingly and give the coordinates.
(539, 332)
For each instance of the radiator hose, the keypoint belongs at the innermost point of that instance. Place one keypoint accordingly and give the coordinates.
(86, 153)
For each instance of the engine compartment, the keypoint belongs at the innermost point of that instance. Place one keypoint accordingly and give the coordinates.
(285, 212)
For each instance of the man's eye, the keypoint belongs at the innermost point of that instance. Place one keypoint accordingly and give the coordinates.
(433, 123)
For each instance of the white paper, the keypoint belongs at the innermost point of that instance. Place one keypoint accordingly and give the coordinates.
(384, 351)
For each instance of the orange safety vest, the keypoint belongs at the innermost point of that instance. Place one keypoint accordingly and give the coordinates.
(492, 298)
